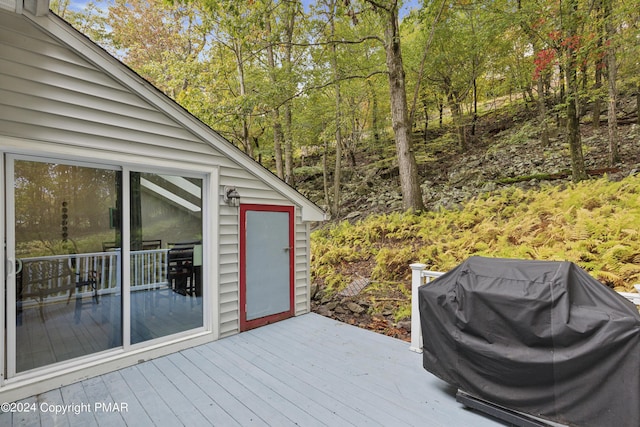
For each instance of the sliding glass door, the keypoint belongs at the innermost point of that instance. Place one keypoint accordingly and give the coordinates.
(166, 255)
(71, 292)
(63, 235)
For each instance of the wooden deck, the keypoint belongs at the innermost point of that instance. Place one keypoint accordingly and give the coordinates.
(306, 371)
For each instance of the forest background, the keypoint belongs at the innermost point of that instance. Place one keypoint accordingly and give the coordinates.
(298, 85)
(332, 94)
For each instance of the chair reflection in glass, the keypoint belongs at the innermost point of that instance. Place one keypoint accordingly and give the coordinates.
(181, 268)
(48, 280)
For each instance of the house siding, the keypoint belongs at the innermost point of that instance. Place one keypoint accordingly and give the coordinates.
(57, 100)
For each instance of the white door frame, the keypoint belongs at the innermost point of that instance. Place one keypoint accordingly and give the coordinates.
(210, 229)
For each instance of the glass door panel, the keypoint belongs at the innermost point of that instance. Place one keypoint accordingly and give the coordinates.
(68, 296)
(267, 265)
(166, 255)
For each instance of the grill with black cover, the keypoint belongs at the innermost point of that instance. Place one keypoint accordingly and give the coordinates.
(540, 337)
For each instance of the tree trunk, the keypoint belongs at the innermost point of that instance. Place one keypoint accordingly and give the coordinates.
(561, 95)
(288, 114)
(542, 113)
(374, 114)
(336, 74)
(578, 171)
(597, 107)
(325, 174)
(475, 106)
(278, 136)
(458, 122)
(338, 164)
(275, 113)
(457, 116)
(409, 184)
(425, 107)
(612, 120)
(599, 64)
(288, 145)
(243, 92)
(352, 142)
(583, 88)
(638, 104)
(612, 68)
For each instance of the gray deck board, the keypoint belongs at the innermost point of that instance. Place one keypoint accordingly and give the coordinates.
(214, 390)
(233, 382)
(289, 402)
(156, 408)
(382, 383)
(305, 371)
(121, 392)
(97, 389)
(172, 396)
(210, 409)
(51, 418)
(72, 395)
(321, 388)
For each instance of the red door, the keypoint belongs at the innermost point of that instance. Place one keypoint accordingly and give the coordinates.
(266, 264)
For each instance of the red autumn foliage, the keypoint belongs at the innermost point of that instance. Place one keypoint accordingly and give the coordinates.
(543, 61)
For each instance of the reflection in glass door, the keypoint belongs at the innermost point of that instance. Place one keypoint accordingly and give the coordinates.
(68, 300)
(166, 255)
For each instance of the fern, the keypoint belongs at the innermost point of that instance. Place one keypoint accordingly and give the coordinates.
(602, 234)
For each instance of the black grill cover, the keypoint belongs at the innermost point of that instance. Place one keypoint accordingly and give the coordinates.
(539, 337)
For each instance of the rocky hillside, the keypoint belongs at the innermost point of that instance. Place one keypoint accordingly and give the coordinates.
(507, 151)
(362, 276)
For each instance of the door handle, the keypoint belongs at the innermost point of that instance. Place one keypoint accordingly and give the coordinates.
(14, 266)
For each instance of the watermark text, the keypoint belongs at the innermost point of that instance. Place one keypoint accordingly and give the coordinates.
(64, 408)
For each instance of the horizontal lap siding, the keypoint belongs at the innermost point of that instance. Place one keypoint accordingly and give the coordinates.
(258, 193)
(52, 95)
(229, 272)
(301, 267)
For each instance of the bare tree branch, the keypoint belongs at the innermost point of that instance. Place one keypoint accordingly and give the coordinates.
(327, 84)
(412, 112)
(331, 42)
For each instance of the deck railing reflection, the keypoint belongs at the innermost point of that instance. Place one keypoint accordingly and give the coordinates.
(148, 271)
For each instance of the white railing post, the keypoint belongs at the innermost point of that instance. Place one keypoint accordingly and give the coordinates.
(416, 330)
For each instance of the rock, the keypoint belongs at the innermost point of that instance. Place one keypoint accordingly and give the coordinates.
(489, 186)
(353, 214)
(363, 303)
(340, 310)
(473, 162)
(323, 311)
(331, 305)
(355, 308)
(313, 291)
(405, 324)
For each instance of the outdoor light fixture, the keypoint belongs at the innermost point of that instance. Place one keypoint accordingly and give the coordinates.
(231, 196)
